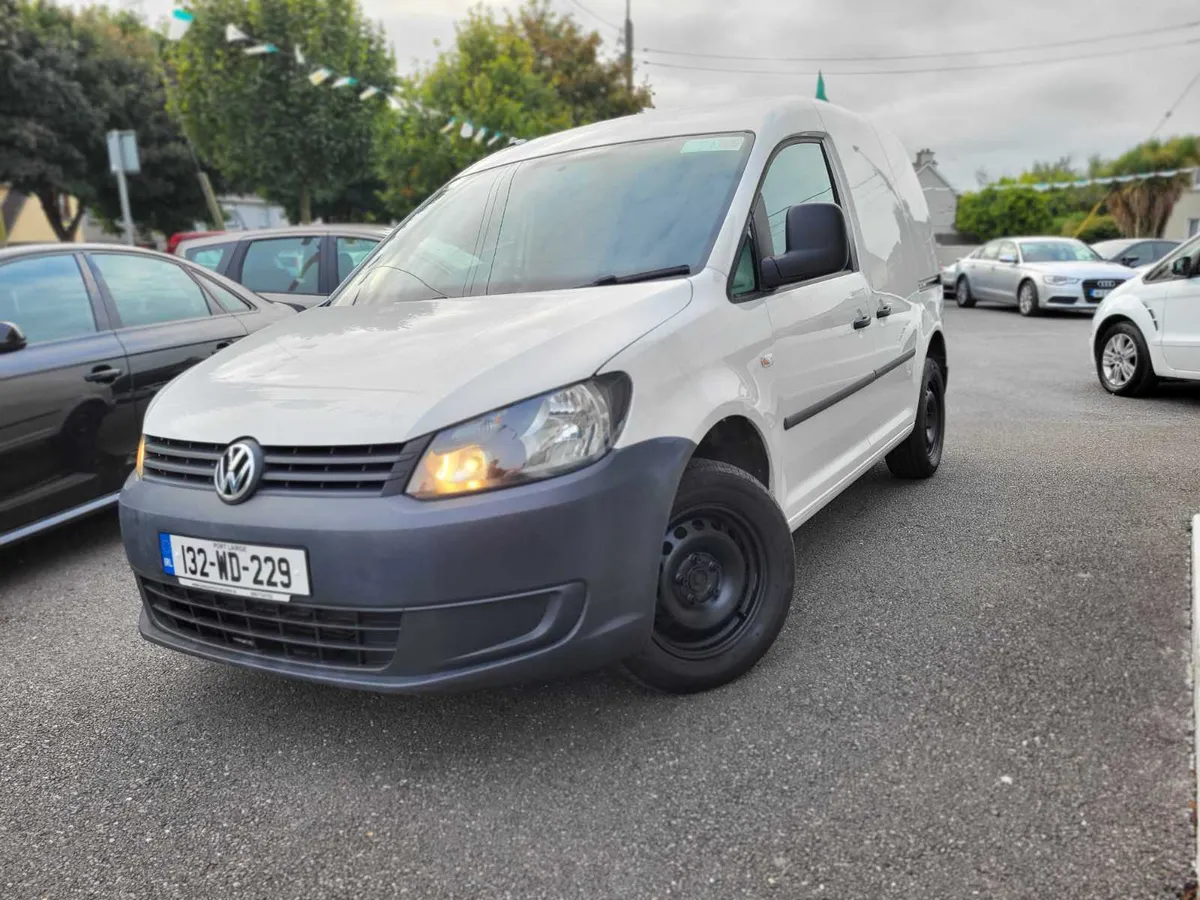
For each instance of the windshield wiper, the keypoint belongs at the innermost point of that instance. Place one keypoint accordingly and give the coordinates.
(652, 275)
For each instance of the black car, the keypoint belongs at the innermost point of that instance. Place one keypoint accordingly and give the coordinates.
(1134, 252)
(88, 335)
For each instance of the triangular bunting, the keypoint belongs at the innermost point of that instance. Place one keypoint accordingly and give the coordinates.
(445, 129)
(233, 34)
(261, 49)
(181, 20)
(368, 93)
(345, 81)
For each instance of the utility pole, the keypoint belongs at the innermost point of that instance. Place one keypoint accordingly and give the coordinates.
(628, 48)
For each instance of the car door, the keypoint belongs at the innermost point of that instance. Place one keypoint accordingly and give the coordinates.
(68, 431)
(1181, 318)
(981, 272)
(1006, 272)
(821, 347)
(164, 320)
(285, 269)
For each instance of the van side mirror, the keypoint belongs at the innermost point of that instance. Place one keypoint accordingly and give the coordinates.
(817, 245)
(1182, 267)
(11, 337)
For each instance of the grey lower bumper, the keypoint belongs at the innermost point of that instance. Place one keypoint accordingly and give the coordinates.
(525, 583)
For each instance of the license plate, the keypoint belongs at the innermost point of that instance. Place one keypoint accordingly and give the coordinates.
(245, 570)
(1099, 293)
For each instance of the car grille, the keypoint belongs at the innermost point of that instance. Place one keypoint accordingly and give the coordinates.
(316, 635)
(362, 469)
(1103, 284)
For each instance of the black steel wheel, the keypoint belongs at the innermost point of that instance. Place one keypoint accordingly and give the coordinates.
(921, 453)
(725, 582)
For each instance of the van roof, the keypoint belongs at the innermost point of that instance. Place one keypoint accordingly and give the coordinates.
(766, 118)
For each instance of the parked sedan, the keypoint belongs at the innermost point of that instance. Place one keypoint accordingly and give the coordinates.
(1038, 273)
(1150, 329)
(88, 335)
(298, 265)
(1134, 252)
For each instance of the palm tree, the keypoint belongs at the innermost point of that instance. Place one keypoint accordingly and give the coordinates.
(1142, 207)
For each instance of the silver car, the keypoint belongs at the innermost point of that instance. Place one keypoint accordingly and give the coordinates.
(1038, 273)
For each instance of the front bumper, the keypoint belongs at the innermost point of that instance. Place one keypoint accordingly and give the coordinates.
(525, 583)
(1071, 296)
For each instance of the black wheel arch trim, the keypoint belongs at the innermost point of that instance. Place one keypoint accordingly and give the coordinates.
(853, 388)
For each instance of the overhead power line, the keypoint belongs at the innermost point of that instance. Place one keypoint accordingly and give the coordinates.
(867, 58)
(1174, 106)
(1107, 54)
(598, 18)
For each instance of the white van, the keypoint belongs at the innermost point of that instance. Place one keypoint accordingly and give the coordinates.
(567, 414)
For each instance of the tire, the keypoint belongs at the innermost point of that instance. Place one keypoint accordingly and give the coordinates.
(725, 582)
(1027, 299)
(962, 293)
(1123, 361)
(921, 453)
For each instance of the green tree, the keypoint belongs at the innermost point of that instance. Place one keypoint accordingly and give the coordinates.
(260, 120)
(65, 80)
(993, 213)
(530, 75)
(1141, 208)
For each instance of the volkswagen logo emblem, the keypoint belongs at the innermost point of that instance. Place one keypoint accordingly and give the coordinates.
(238, 470)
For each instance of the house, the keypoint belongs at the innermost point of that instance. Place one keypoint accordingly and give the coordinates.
(22, 220)
(939, 195)
(1185, 216)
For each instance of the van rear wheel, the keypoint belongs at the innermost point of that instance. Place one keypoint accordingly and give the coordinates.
(921, 453)
(725, 582)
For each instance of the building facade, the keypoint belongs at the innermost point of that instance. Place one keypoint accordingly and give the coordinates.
(940, 196)
(1185, 217)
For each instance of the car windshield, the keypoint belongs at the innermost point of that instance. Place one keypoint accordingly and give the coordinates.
(1110, 249)
(1057, 251)
(601, 215)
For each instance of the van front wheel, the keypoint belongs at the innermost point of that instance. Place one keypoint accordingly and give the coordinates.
(725, 582)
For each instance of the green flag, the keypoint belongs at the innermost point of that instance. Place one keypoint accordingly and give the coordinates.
(821, 87)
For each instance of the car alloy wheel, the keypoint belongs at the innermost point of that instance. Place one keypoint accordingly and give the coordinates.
(1119, 360)
(1027, 299)
(962, 293)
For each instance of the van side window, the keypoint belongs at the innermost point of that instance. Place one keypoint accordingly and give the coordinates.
(745, 280)
(799, 173)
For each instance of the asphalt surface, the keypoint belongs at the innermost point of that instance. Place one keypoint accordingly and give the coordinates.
(981, 691)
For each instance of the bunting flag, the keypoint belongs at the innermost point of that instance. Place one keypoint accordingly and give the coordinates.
(821, 87)
(1088, 182)
(180, 21)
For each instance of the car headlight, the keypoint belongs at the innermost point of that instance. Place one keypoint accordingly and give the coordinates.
(1060, 279)
(538, 438)
(140, 461)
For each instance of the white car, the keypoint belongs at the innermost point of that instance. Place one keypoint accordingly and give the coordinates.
(1036, 274)
(567, 414)
(1150, 328)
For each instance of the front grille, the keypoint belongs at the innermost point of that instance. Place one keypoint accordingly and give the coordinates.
(1102, 284)
(317, 635)
(363, 469)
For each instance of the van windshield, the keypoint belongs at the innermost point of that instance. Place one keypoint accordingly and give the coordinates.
(586, 217)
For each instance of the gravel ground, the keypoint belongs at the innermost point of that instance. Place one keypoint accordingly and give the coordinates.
(982, 691)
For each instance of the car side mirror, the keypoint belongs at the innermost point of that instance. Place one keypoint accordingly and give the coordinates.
(1182, 267)
(1007, 258)
(11, 337)
(1128, 261)
(817, 245)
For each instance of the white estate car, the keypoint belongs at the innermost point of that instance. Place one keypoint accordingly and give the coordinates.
(1150, 328)
(567, 414)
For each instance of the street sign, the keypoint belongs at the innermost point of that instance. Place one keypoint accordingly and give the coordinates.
(123, 153)
(122, 161)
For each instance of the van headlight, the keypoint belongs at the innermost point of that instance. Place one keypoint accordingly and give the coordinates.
(537, 438)
(1060, 279)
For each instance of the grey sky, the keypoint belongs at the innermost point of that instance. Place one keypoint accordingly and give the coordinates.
(1000, 119)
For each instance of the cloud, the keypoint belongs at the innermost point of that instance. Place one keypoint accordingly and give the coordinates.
(1000, 118)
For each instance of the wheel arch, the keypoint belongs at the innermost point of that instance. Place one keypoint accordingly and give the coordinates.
(737, 441)
(936, 350)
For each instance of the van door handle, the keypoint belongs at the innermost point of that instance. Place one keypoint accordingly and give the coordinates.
(884, 311)
(862, 321)
(103, 375)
